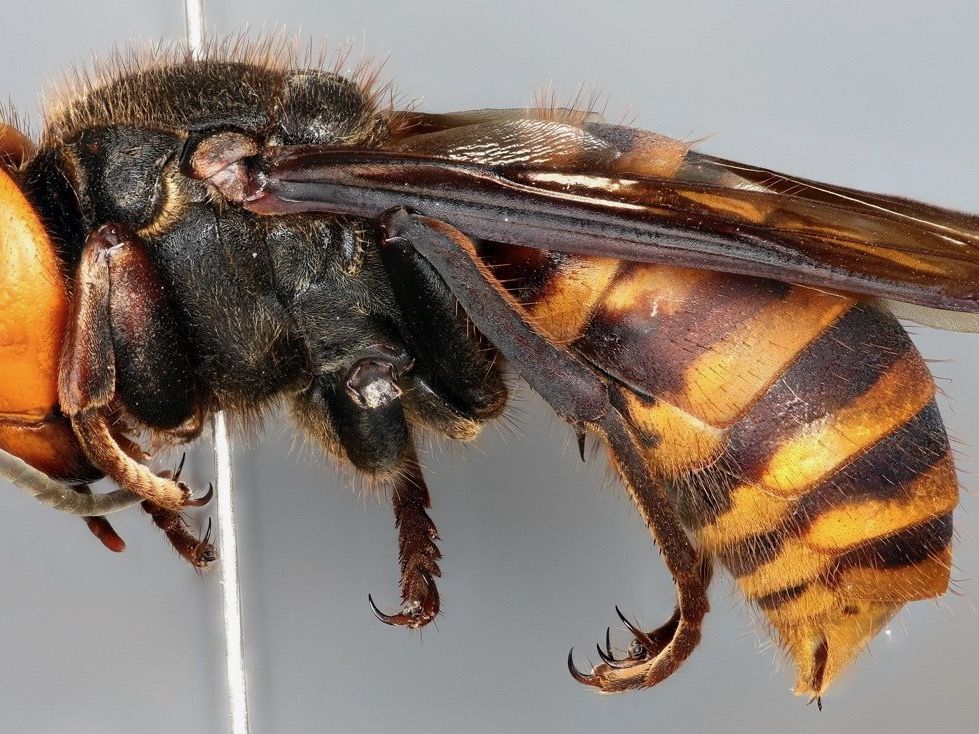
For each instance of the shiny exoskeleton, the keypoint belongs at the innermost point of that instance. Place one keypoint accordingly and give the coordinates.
(789, 432)
(796, 430)
(182, 305)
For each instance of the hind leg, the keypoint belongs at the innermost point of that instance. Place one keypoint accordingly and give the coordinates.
(581, 397)
(653, 656)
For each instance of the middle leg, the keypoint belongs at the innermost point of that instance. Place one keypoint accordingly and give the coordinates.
(374, 436)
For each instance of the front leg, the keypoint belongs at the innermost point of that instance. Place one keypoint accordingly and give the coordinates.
(372, 433)
(121, 333)
(581, 397)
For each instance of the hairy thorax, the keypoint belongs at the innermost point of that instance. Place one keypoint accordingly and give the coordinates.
(244, 287)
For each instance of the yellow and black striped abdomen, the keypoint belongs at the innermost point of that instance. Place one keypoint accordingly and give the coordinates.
(797, 431)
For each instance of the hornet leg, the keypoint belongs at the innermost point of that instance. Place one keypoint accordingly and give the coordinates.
(580, 397)
(118, 307)
(376, 440)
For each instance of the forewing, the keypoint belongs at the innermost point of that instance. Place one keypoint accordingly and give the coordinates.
(930, 252)
(586, 187)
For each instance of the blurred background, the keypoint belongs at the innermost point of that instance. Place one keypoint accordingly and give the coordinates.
(537, 548)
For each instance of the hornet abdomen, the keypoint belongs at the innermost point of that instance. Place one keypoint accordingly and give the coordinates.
(796, 429)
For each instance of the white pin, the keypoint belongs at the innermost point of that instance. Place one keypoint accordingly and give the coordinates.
(227, 526)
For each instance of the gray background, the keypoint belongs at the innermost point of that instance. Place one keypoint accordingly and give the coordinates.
(873, 95)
